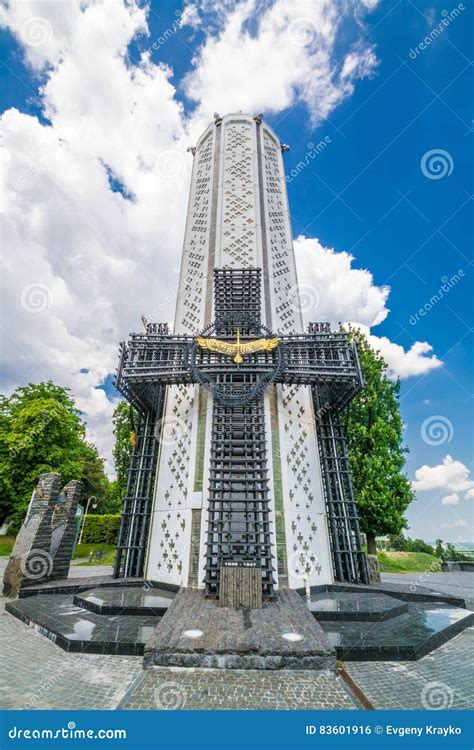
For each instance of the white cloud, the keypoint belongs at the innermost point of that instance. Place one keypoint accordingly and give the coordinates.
(288, 58)
(470, 494)
(459, 524)
(450, 499)
(450, 476)
(190, 17)
(343, 294)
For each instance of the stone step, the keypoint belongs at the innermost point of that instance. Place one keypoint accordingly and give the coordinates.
(407, 637)
(355, 607)
(74, 628)
(128, 601)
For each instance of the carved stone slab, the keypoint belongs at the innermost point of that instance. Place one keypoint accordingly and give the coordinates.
(240, 587)
(43, 547)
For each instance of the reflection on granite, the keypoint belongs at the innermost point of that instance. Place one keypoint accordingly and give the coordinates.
(76, 629)
(352, 606)
(409, 636)
(128, 601)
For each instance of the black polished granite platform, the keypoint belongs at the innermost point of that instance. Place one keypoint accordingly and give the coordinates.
(128, 601)
(77, 629)
(352, 606)
(360, 623)
(407, 637)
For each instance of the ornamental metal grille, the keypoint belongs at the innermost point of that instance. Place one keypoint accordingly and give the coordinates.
(343, 518)
(133, 535)
(238, 514)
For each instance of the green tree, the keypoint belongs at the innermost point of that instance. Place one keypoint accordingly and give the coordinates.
(450, 551)
(42, 431)
(376, 453)
(124, 419)
(439, 549)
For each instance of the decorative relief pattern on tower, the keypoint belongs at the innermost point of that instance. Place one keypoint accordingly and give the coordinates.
(171, 525)
(280, 247)
(195, 257)
(239, 211)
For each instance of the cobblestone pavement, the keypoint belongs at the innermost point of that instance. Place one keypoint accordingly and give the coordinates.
(442, 679)
(218, 689)
(37, 674)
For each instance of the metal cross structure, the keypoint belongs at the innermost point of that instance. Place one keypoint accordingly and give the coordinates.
(238, 522)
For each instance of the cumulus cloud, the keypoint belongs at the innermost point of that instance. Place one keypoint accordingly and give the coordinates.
(450, 476)
(289, 57)
(344, 294)
(450, 499)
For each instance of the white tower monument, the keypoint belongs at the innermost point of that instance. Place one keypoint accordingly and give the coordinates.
(238, 218)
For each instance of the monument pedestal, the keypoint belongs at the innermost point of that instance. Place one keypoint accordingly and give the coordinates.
(240, 586)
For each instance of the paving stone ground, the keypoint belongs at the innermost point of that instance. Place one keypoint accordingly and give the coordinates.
(37, 674)
(218, 689)
(442, 679)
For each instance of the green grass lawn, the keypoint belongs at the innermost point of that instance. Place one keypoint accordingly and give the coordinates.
(6, 545)
(408, 562)
(83, 550)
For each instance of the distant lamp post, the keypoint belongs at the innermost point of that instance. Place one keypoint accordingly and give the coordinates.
(92, 499)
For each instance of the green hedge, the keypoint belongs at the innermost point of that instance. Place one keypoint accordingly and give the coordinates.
(101, 529)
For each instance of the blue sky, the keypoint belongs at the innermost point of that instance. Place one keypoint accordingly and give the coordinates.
(365, 193)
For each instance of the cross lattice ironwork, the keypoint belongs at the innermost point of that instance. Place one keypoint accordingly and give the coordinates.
(238, 515)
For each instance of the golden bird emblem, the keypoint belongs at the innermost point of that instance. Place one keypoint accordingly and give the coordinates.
(237, 350)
